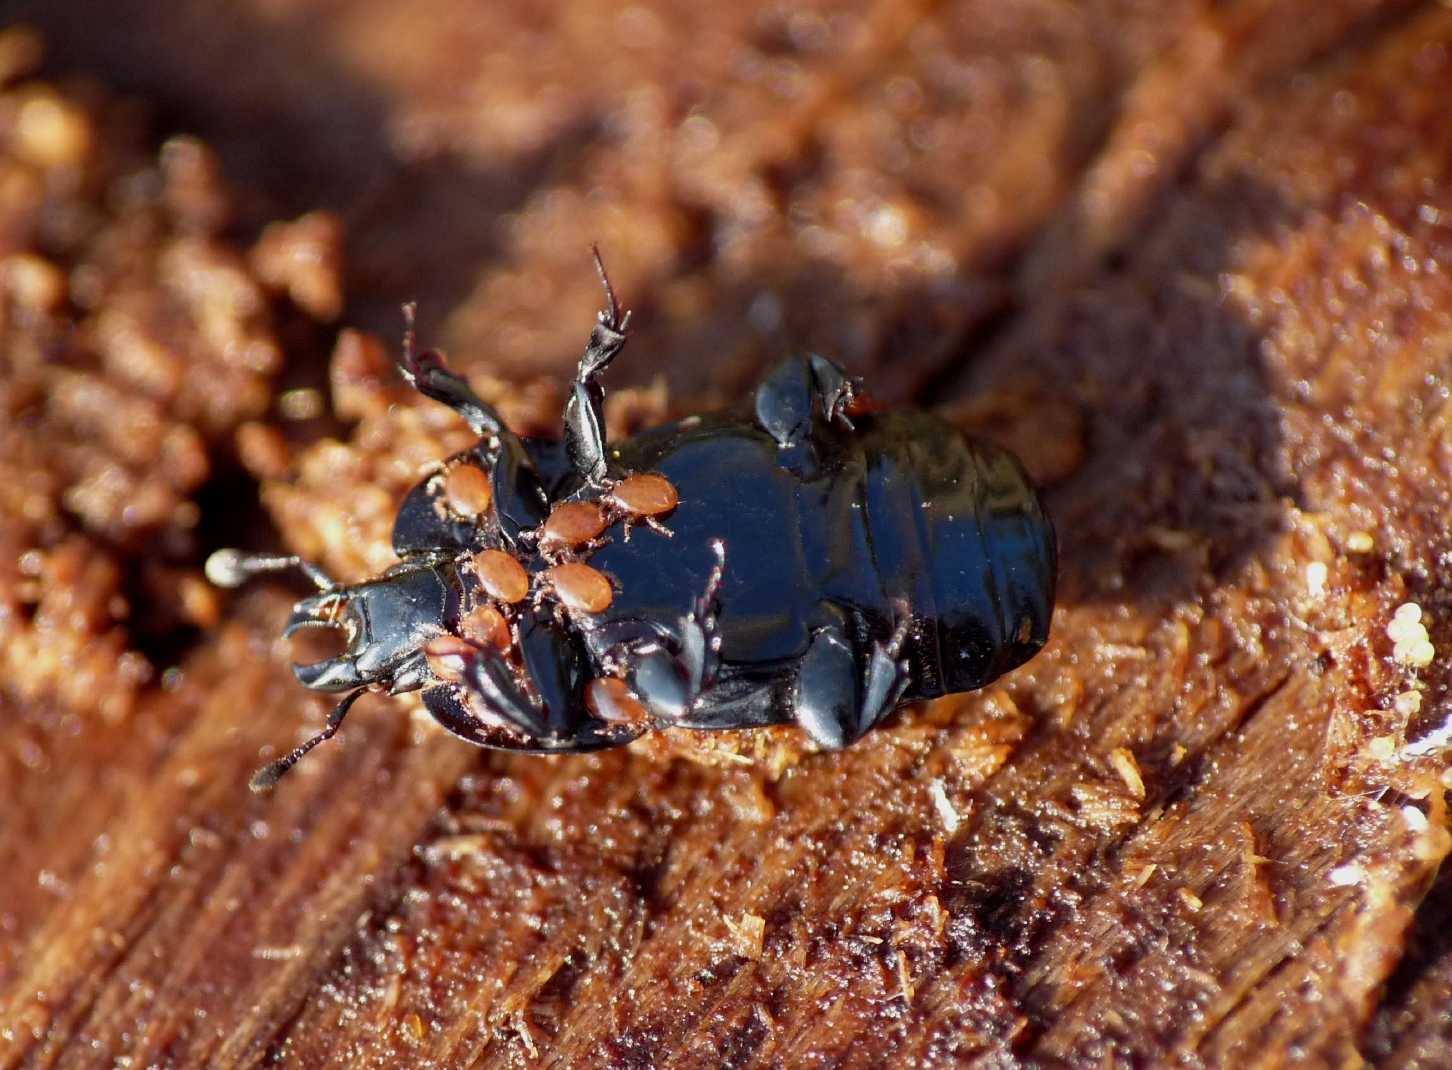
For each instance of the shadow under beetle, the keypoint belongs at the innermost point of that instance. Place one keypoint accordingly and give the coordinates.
(796, 559)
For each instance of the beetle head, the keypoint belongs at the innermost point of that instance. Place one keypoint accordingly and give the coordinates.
(384, 622)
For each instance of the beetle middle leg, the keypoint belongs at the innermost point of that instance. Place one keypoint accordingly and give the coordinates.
(669, 670)
(584, 419)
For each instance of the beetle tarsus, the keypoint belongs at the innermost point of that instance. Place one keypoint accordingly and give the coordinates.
(611, 315)
(700, 638)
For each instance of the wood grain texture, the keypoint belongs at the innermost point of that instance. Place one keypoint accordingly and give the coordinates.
(1190, 261)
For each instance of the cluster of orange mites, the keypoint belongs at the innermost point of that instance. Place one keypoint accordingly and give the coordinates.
(572, 527)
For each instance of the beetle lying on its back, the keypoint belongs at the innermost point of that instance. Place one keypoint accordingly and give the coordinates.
(795, 560)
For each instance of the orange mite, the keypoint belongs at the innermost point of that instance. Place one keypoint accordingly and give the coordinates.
(504, 578)
(467, 491)
(644, 495)
(571, 525)
(580, 587)
(486, 626)
(610, 700)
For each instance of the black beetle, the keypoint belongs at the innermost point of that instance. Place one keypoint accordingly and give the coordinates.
(794, 560)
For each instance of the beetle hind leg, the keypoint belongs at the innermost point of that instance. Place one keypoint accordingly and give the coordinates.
(836, 698)
(796, 391)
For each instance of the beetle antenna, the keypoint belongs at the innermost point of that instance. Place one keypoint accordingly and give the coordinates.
(232, 568)
(270, 774)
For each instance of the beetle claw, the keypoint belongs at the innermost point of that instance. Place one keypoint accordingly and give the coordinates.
(331, 674)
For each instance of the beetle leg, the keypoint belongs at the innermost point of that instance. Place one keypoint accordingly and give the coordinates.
(887, 676)
(584, 421)
(669, 673)
(452, 712)
(700, 644)
(494, 680)
(542, 698)
(836, 700)
(428, 373)
(520, 502)
(519, 497)
(795, 390)
(232, 568)
(271, 773)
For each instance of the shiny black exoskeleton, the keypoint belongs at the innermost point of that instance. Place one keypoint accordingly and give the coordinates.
(821, 566)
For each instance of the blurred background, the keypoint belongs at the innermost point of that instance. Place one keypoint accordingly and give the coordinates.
(874, 179)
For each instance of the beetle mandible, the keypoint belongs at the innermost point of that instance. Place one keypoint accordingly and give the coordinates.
(799, 559)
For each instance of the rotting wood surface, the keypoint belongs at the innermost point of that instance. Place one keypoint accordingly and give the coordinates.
(1191, 262)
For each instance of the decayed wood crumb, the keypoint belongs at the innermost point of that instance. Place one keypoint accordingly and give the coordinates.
(748, 933)
(1258, 891)
(1411, 644)
(1128, 769)
(1104, 806)
(1360, 542)
(982, 747)
(947, 813)
(904, 976)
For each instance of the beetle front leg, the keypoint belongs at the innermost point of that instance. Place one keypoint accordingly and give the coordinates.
(584, 419)
(541, 697)
(836, 699)
(448, 705)
(428, 373)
